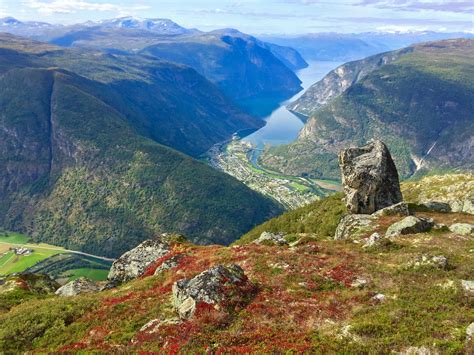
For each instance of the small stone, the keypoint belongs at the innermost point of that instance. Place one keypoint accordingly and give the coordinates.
(373, 240)
(462, 229)
(359, 282)
(439, 262)
(379, 297)
(399, 209)
(413, 350)
(271, 238)
(79, 286)
(169, 264)
(409, 225)
(370, 178)
(468, 287)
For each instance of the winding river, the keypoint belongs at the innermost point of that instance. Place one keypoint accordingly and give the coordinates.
(283, 126)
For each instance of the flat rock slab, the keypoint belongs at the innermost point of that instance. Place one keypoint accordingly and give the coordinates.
(462, 228)
(409, 225)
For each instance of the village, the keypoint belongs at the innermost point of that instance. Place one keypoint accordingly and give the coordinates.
(235, 158)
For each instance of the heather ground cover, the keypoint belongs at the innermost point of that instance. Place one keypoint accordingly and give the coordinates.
(308, 292)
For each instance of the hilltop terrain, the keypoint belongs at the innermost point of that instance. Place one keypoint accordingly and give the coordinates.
(83, 165)
(302, 291)
(419, 100)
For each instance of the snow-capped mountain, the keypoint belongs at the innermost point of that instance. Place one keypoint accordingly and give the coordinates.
(161, 26)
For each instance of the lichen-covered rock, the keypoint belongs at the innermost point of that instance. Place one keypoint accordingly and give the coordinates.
(34, 283)
(134, 263)
(468, 287)
(77, 287)
(462, 228)
(354, 226)
(373, 240)
(170, 263)
(438, 261)
(271, 238)
(369, 178)
(409, 225)
(223, 287)
(398, 209)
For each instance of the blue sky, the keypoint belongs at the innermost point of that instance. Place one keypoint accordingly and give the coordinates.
(262, 16)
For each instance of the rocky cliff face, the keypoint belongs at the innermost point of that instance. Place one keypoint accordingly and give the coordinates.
(339, 80)
(419, 103)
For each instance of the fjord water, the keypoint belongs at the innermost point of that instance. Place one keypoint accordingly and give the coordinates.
(282, 126)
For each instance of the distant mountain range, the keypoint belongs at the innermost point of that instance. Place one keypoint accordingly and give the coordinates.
(86, 142)
(239, 64)
(352, 46)
(419, 100)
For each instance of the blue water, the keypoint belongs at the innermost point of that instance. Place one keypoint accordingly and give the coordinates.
(283, 126)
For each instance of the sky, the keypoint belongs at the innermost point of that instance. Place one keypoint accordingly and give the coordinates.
(262, 16)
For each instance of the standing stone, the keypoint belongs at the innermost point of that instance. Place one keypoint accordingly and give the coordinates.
(370, 178)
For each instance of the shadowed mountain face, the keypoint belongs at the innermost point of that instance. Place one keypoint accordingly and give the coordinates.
(240, 65)
(81, 162)
(419, 100)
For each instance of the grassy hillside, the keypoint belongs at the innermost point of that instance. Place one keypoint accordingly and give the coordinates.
(421, 105)
(308, 300)
(77, 173)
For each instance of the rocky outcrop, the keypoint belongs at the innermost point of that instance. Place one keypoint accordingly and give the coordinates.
(134, 263)
(354, 226)
(34, 283)
(437, 261)
(271, 238)
(462, 228)
(409, 225)
(77, 287)
(370, 178)
(223, 287)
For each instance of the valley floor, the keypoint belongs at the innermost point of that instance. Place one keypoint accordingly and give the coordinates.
(235, 158)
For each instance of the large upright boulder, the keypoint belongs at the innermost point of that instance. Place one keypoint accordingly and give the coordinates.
(370, 178)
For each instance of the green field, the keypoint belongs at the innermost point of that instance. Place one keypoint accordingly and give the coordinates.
(93, 274)
(12, 263)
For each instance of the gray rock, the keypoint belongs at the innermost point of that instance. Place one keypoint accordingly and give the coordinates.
(470, 332)
(409, 225)
(272, 238)
(369, 178)
(462, 228)
(398, 209)
(214, 287)
(438, 261)
(422, 350)
(436, 206)
(379, 297)
(354, 226)
(134, 263)
(169, 264)
(359, 282)
(373, 240)
(77, 287)
(468, 287)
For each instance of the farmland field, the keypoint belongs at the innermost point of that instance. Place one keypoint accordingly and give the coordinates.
(11, 263)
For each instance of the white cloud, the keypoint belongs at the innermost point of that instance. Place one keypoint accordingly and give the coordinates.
(73, 6)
